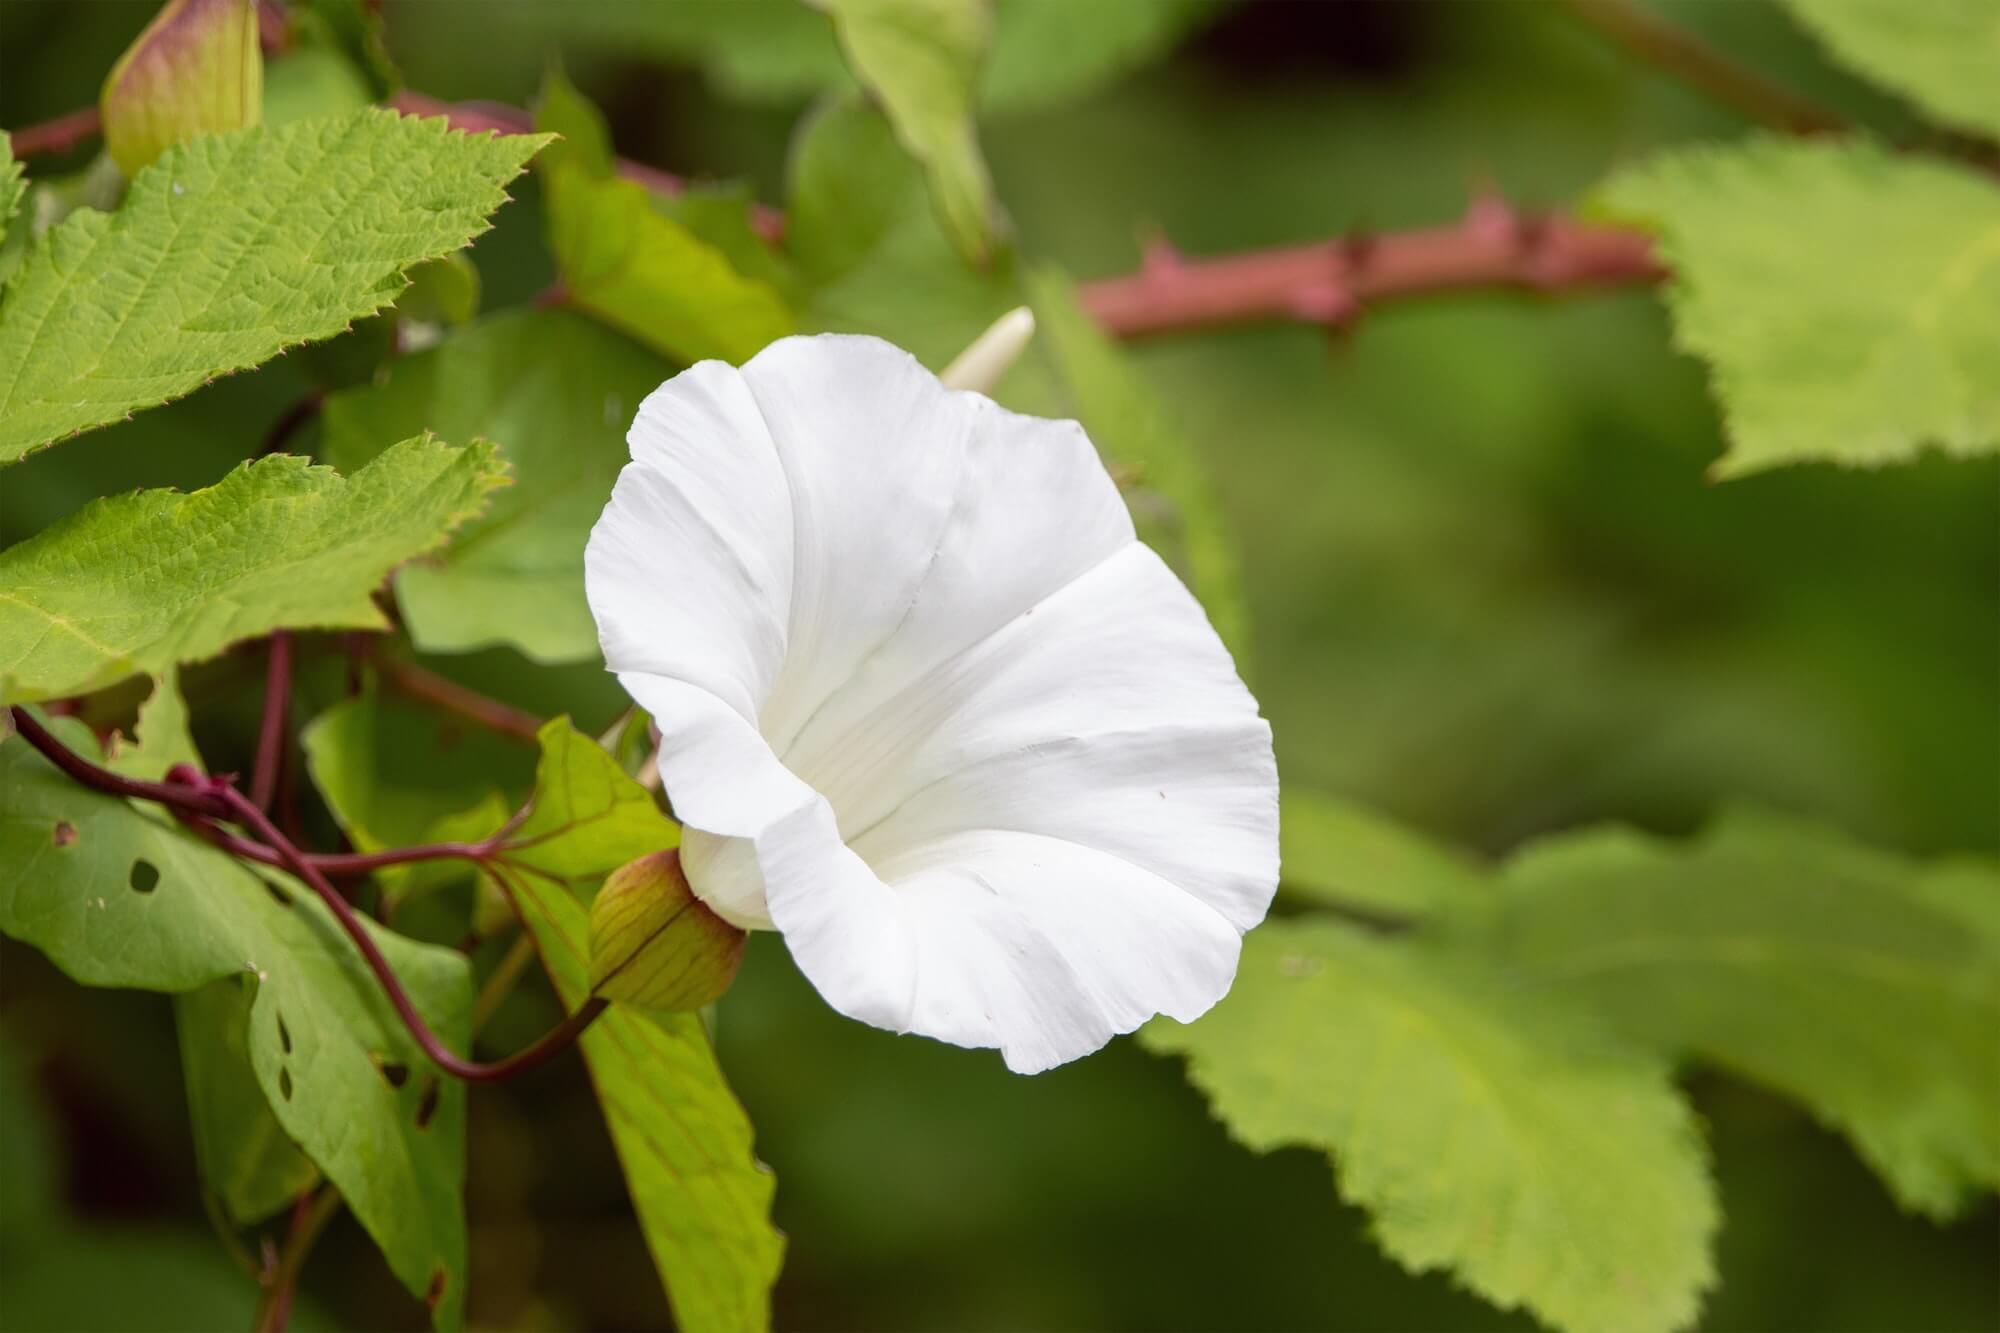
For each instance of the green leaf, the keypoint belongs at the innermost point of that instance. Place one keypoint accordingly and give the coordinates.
(117, 897)
(395, 775)
(1866, 987)
(1486, 1132)
(922, 59)
(141, 581)
(196, 69)
(1858, 339)
(556, 392)
(589, 818)
(1047, 52)
(160, 739)
(1941, 54)
(244, 1154)
(702, 1197)
(12, 183)
(313, 81)
(228, 250)
(1339, 854)
(848, 185)
(1140, 440)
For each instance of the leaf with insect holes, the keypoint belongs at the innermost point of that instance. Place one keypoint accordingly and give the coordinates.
(145, 580)
(1860, 339)
(117, 896)
(555, 391)
(229, 249)
(1509, 1140)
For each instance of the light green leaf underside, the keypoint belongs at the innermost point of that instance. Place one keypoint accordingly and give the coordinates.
(1944, 55)
(702, 1197)
(1340, 854)
(556, 393)
(921, 59)
(1860, 338)
(1866, 987)
(244, 1154)
(396, 775)
(318, 1024)
(229, 249)
(1153, 460)
(625, 260)
(141, 581)
(1486, 1132)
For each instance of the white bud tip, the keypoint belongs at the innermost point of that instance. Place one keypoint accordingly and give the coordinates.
(980, 366)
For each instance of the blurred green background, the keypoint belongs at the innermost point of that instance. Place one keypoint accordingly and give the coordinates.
(1492, 594)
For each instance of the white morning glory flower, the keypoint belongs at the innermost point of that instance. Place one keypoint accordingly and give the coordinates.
(928, 707)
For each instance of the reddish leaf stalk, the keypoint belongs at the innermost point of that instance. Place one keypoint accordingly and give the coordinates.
(432, 688)
(271, 732)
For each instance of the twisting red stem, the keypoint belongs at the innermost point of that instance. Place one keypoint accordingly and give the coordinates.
(172, 795)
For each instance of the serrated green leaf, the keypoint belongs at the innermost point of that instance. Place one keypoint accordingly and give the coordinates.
(556, 392)
(1859, 339)
(1506, 1139)
(1139, 440)
(1861, 985)
(196, 69)
(228, 250)
(702, 1197)
(589, 818)
(243, 1152)
(12, 183)
(922, 59)
(395, 775)
(1340, 854)
(79, 889)
(145, 580)
(1941, 54)
(160, 738)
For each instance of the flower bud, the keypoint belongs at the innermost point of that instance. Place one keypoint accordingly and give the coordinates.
(980, 366)
(196, 69)
(654, 944)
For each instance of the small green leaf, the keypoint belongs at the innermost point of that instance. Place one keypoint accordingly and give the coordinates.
(1340, 854)
(12, 183)
(1139, 439)
(588, 818)
(196, 69)
(848, 185)
(583, 136)
(160, 739)
(145, 580)
(395, 775)
(702, 1197)
(312, 81)
(556, 392)
(1941, 54)
(1866, 987)
(244, 1154)
(117, 897)
(228, 250)
(1858, 339)
(922, 59)
(656, 945)
(1048, 52)
(1486, 1132)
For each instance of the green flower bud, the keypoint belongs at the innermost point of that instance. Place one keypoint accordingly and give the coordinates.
(196, 69)
(656, 945)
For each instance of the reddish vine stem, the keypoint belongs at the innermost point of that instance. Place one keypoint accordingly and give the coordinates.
(58, 135)
(190, 791)
(432, 688)
(271, 731)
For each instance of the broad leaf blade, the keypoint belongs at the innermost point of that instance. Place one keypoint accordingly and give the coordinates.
(1502, 1138)
(320, 1031)
(922, 58)
(1339, 854)
(228, 250)
(145, 580)
(1860, 339)
(245, 1156)
(589, 818)
(556, 393)
(1941, 54)
(1866, 987)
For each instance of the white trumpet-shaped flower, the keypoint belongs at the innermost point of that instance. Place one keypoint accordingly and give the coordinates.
(927, 706)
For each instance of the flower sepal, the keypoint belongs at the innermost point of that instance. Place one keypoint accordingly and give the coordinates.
(654, 944)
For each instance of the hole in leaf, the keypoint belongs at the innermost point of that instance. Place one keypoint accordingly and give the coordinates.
(284, 1035)
(145, 876)
(284, 898)
(285, 1084)
(64, 834)
(393, 1073)
(435, 1292)
(428, 1106)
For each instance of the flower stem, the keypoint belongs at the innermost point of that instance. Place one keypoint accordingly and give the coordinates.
(309, 1219)
(271, 733)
